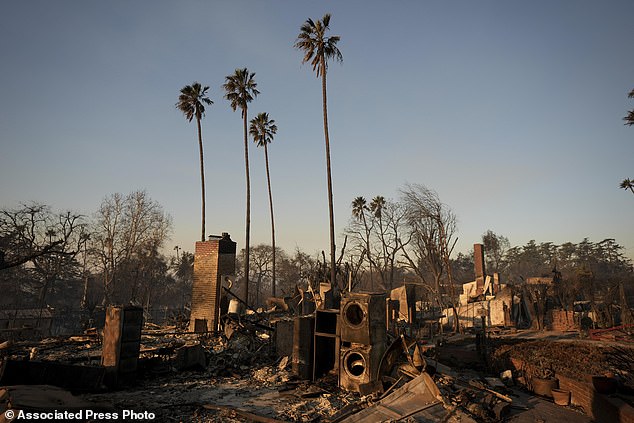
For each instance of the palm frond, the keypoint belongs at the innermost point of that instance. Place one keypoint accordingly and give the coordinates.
(192, 99)
(359, 204)
(240, 89)
(318, 49)
(326, 20)
(262, 129)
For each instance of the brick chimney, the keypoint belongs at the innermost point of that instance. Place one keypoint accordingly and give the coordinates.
(478, 260)
(212, 259)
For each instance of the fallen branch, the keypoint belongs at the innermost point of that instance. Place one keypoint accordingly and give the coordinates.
(478, 385)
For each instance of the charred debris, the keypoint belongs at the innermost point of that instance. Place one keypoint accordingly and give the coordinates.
(325, 355)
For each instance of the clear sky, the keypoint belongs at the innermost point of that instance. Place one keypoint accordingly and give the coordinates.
(512, 111)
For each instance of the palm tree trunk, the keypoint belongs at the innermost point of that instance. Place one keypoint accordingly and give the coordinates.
(202, 178)
(367, 248)
(333, 270)
(268, 180)
(248, 219)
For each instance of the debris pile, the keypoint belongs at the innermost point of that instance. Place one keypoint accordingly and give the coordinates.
(572, 359)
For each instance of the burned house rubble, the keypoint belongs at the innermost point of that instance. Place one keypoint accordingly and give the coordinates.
(326, 355)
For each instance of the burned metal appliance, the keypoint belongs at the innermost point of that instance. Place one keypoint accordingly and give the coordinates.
(303, 346)
(359, 365)
(363, 318)
(363, 335)
(327, 342)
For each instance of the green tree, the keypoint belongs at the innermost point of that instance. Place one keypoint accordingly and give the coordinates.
(240, 90)
(494, 248)
(191, 102)
(318, 49)
(262, 130)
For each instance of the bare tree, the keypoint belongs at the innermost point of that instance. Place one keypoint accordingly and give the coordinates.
(360, 230)
(127, 229)
(34, 231)
(431, 228)
(47, 241)
(261, 270)
(389, 217)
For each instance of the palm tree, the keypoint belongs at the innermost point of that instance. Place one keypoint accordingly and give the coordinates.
(191, 102)
(377, 205)
(262, 130)
(359, 208)
(376, 208)
(318, 49)
(629, 119)
(240, 90)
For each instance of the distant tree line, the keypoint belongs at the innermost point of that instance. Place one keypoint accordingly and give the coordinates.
(413, 238)
(115, 256)
(76, 261)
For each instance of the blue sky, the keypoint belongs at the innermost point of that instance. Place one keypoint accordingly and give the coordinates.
(511, 111)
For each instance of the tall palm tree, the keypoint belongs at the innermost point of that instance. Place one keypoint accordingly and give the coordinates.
(376, 208)
(629, 119)
(377, 205)
(191, 102)
(359, 208)
(262, 130)
(318, 49)
(627, 184)
(240, 90)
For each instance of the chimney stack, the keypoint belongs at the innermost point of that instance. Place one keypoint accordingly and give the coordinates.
(212, 259)
(478, 260)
